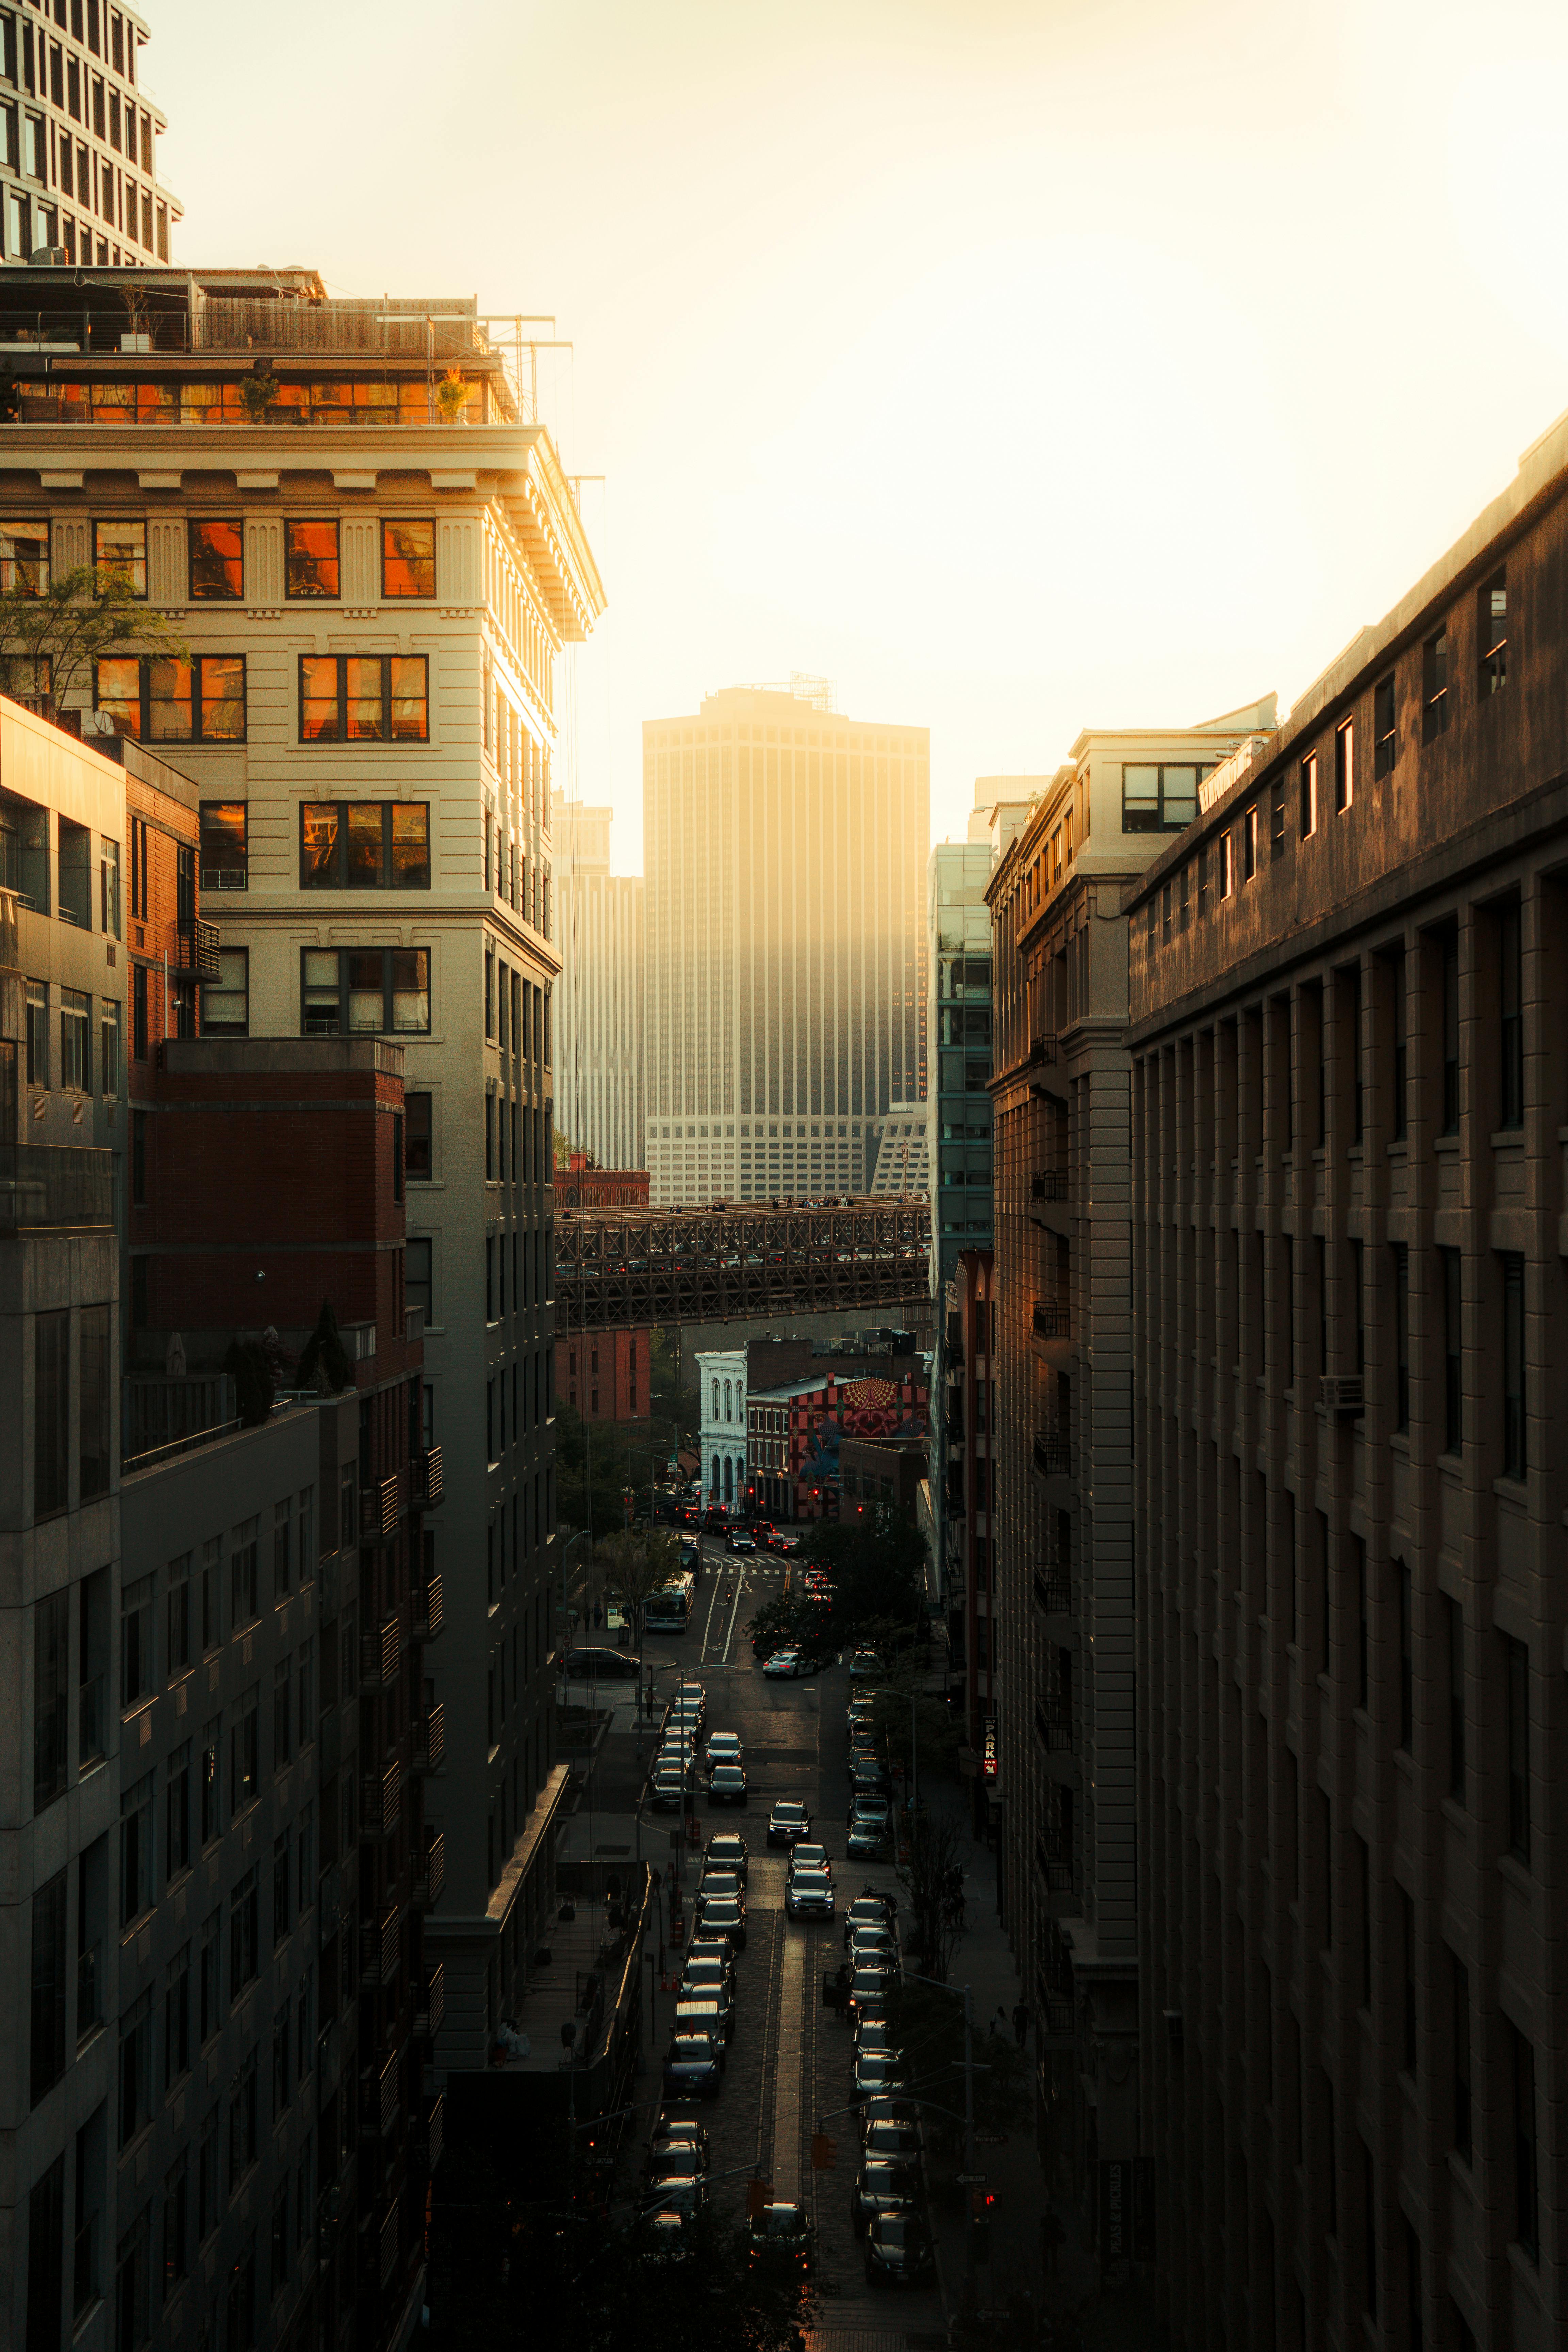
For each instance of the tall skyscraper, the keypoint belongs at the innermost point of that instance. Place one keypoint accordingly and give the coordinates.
(599, 1027)
(785, 847)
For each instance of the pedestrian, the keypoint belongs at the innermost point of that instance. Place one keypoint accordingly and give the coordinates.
(1021, 2024)
(999, 2022)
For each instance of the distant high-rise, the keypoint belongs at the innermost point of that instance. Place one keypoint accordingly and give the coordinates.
(784, 848)
(599, 1029)
(78, 177)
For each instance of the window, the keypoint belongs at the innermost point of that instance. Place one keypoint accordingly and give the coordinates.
(51, 1698)
(1401, 1336)
(212, 1574)
(1511, 1025)
(244, 1935)
(244, 1751)
(136, 1664)
(418, 1288)
(242, 1575)
(1435, 686)
(134, 2285)
(177, 2018)
(177, 1812)
(48, 1987)
(1455, 1616)
(1159, 799)
(368, 992)
(1513, 1366)
(365, 846)
(226, 1000)
(209, 2190)
(216, 560)
(136, 1849)
(1491, 633)
(207, 1776)
(282, 1713)
(1451, 987)
(92, 1668)
(364, 698)
(109, 1051)
(409, 557)
(1406, 1658)
(225, 856)
(175, 2250)
(1345, 766)
(1526, 2162)
(37, 1033)
(1226, 878)
(282, 1884)
(24, 558)
(76, 1056)
(138, 1029)
(242, 2133)
(51, 1412)
(417, 1149)
(209, 1983)
(1516, 1667)
(1384, 727)
(109, 887)
(45, 2258)
(160, 701)
(120, 550)
(1399, 1122)
(311, 558)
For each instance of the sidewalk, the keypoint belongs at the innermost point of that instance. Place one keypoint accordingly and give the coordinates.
(1014, 2173)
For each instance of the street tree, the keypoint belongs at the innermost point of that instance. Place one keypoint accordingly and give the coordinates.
(931, 1871)
(48, 637)
(643, 1562)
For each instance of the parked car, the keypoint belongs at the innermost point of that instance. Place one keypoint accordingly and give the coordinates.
(865, 1666)
(898, 2250)
(709, 2011)
(678, 2159)
(883, 2186)
(869, 1840)
(726, 1916)
(724, 1748)
(718, 1885)
(679, 2122)
(877, 2072)
(727, 1851)
(708, 1969)
(810, 1857)
(809, 1896)
(727, 1784)
(788, 1823)
(604, 1666)
(779, 2235)
(685, 2197)
(666, 1792)
(868, 1992)
(895, 2136)
(868, 1910)
(693, 2066)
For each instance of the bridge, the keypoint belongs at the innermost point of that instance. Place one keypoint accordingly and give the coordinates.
(619, 1269)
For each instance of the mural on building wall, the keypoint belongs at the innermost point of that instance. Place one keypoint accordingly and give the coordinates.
(867, 1408)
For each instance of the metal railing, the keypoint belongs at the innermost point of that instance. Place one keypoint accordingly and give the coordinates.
(430, 2002)
(428, 2133)
(380, 1508)
(429, 1611)
(1050, 1319)
(1054, 1867)
(1053, 1591)
(427, 1478)
(379, 1797)
(196, 948)
(1052, 1455)
(1053, 1725)
(378, 1655)
(380, 1948)
(430, 1878)
(1049, 1184)
(430, 1739)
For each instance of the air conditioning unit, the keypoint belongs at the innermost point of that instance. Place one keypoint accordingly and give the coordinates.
(223, 877)
(1341, 1392)
(47, 257)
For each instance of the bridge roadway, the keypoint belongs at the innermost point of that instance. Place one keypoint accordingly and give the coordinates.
(619, 1269)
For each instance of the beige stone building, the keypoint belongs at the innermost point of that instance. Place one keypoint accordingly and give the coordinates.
(1062, 1601)
(374, 600)
(784, 847)
(79, 133)
(1348, 1103)
(599, 999)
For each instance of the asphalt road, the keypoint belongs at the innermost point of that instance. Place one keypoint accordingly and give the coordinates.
(789, 2061)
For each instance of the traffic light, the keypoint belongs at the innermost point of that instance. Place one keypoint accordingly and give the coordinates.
(981, 2205)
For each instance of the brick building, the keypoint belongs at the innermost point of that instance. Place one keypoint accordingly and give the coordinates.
(579, 1184)
(1350, 1095)
(794, 1433)
(606, 1375)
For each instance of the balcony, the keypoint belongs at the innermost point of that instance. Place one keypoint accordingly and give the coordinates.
(1342, 1393)
(1053, 1725)
(43, 1184)
(380, 1510)
(387, 2244)
(381, 1795)
(428, 2133)
(1049, 1321)
(378, 1656)
(1057, 2022)
(413, 1326)
(1052, 1455)
(196, 948)
(1042, 1048)
(1053, 1592)
(952, 1486)
(380, 1949)
(1054, 1867)
(430, 1739)
(379, 2101)
(1049, 1184)
(430, 2003)
(430, 1878)
(430, 1614)
(427, 1478)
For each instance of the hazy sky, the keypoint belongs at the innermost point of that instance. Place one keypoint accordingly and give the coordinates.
(1021, 367)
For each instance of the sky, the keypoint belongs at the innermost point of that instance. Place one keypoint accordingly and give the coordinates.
(1020, 365)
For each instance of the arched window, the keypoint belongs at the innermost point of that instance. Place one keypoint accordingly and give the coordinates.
(713, 1485)
(715, 1400)
(729, 1478)
(726, 1400)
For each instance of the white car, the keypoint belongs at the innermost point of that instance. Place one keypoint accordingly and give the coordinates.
(784, 1663)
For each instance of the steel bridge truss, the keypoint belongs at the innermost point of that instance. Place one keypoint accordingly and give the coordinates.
(619, 1269)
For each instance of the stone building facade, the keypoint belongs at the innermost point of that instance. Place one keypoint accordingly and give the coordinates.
(1062, 1631)
(1348, 1101)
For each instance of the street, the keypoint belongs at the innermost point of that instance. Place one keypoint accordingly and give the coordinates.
(789, 2063)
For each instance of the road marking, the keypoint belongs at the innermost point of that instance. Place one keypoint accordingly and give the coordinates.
(708, 1625)
(789, 2089)
(734, 1617)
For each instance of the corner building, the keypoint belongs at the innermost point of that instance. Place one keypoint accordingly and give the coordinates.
(373, 596)
(1350, 1095)
(785, 956)
(1062, 1636)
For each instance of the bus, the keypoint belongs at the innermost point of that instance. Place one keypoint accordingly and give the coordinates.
(669, 1612)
